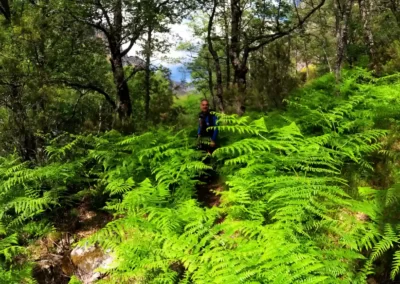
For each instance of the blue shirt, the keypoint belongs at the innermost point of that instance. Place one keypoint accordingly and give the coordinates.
(214, 123)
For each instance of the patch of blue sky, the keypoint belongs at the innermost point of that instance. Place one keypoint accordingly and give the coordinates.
(174, 59)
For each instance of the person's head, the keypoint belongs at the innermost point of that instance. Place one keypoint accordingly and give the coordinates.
(204, 105)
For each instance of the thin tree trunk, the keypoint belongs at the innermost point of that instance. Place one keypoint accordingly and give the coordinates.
(306, 60)
(100, 117)
(124, 104)
(5, 10)
(210, 83)
(368, 35)
(214, 54)
(235, 43)
(343, 15)
(324, 41)
(394, 7)
(228, 61)
(239, 64)
(326, 55)
(148, 73)
(43, 100)
(27, 143)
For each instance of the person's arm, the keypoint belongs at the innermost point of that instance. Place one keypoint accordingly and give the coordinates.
(215, 134)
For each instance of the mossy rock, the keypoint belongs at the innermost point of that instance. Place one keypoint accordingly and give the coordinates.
(87, 260)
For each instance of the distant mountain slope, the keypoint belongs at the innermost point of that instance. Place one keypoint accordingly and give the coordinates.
(182, 88)
(179, 77)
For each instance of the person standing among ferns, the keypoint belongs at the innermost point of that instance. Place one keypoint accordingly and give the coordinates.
(207, 137)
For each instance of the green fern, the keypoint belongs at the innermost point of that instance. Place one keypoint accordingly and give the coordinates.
(286, 214)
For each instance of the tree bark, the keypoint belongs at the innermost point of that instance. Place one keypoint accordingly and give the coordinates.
(214, 54)
(148, 73)
(242, 44)
(239, 64)
(234, 51)
(227, 60)
(306, 59)
(210, 83)
(343, 15)
(365, 11)
(110, 24)
(26, 139)
(323, 22)
(394, 6)
(5, 10)
(124, 104)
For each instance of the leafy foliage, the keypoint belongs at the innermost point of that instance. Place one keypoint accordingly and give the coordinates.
(26, 193)
(284, 202)
(284, 217)
(287, 214)
(308, 193)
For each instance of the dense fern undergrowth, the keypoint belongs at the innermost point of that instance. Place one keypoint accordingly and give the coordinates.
(310, 194)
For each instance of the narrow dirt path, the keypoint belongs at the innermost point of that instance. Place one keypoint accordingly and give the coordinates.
(207, 190)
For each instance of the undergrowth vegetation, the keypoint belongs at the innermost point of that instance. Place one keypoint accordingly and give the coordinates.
(303, 200)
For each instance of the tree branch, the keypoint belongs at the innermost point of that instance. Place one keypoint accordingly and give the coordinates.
(132, 42)
(81, 94)
(90, 87)
(97, 26)
(266, 39)
(278, 25)
(297, 11)
(133, 73)
(105, 14)
(5, 9)
(2, 11)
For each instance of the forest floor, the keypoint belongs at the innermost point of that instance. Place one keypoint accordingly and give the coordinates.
(208, 189)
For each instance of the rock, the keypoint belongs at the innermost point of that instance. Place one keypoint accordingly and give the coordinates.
(51, 269)
(87, 260)
(362, 216)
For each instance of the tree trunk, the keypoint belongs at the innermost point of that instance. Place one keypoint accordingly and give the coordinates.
(210, 83)
(100, 117)
(343, 14)
(5, 10)
(124, 104)
(41, 104)
(240, 82)
(239, 64)
(323, 22)
(395, 9)
(365, 10)
(234, 51)
(306, 59)
(148, 73)
(214, 54)
(26, 139)
(227, 61)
